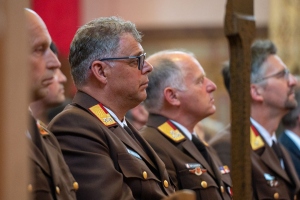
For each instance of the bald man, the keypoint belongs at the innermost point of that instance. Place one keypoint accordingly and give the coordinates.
(50, 176)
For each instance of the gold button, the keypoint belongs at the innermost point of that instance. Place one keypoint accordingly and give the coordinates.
(29, 188)
(204, 184)
(166, 184)
(222, 189)
(57, 190)
(145, 175)
(276, 195)
(75, 186)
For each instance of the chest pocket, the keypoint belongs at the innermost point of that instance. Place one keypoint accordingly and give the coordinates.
(133, 167)
(192, 181)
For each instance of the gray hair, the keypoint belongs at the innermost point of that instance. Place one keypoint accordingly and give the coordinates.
(260, 50)
(165, 73)
(97, 39)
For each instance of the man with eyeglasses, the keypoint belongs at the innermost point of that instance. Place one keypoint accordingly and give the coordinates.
(272, 96)
(105, 153)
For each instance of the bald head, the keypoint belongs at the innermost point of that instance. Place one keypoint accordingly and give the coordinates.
(175, 56)
(42, 60)
(178, 88)
(168, 70)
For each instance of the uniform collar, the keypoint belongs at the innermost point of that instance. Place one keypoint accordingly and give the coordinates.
(264, 133)
(122, 123)
(187, 133)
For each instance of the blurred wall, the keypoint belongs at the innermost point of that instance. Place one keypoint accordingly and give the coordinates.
(168, 13)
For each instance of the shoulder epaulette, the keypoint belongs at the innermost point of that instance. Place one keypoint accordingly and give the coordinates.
(255, 139)
(169, 130)
(102, 114)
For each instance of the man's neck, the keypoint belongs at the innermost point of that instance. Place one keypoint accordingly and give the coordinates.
(268, 120)
(39, 111)
(184, 120)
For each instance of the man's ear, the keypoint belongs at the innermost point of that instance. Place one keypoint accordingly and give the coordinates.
(256, 92)
(99, 70)
(171, 96)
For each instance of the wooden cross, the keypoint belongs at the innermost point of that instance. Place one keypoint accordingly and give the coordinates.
(240, 31)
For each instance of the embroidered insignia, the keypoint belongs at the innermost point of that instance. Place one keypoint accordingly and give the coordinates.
(221, 168)
(193, 165)
(101, 113)
(271, 180)
(195, 168)
(198, 171)
(169, 130)
(42, 128)
(268, 177)
(224, 169)
(133, 153)
(273, 183)
(255, 139)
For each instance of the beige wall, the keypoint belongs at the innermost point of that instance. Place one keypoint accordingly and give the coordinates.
(195, 25)
(168, 13)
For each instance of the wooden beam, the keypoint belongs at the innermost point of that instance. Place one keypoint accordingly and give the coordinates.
(240, 31)
(14, 96)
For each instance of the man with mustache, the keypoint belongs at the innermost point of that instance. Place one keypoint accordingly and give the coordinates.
(272, 96)
(179, 96)
(50, 177)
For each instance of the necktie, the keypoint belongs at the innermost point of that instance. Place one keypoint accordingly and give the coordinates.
(202, 149)
(278, 153)
(277, 150)
(200, 146)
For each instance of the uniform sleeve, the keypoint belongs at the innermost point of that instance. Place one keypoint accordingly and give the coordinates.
(86, 151)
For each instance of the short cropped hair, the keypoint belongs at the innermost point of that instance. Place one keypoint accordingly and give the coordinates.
(165, 73)
(260, 50)
(97, 39)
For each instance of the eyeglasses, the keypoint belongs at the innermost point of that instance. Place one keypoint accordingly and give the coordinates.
(141, 59)
(282, 74)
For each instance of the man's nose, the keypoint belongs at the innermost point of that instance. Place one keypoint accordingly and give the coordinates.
(147, 68)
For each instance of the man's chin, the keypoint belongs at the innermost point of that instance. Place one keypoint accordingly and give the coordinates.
(290, 105)
(40, 94)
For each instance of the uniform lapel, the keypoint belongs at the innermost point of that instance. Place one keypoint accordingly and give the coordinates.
(36, 155)
(266, 153)
(271, 160)
(129, 142)
(85, 101)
